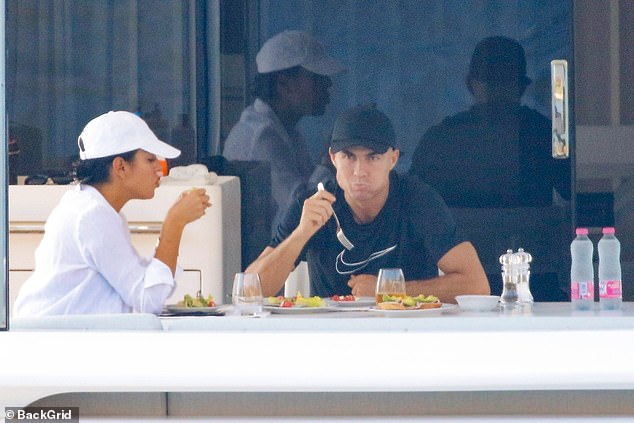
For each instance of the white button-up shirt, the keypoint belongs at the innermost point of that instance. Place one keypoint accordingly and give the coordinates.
(86, 263)
(260, 135)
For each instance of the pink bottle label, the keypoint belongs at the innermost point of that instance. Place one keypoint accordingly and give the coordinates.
(610, 289)
(582, 290)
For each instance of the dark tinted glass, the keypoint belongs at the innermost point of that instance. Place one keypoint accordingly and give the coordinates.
(68, 62)
(418, 61)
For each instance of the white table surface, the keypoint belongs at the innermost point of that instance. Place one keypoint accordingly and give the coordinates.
(546, 348)
(539, 316)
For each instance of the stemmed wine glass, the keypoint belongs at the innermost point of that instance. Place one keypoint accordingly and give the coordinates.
(390, 282)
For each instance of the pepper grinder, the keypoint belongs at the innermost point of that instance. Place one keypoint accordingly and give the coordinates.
(522, 262)
(509, 279)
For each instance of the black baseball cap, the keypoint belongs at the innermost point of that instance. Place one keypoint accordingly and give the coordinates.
(364, 126)
(497, 60)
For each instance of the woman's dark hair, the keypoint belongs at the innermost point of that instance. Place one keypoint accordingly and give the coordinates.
(264, 85)
(97, 171)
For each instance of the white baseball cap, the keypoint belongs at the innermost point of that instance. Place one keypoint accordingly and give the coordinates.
(118, 132)
(296, 48)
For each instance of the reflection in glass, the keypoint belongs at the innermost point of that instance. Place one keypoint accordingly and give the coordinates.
(561, 137)
(410, 60)
(498, 152)
(408, 57)
(70, 64)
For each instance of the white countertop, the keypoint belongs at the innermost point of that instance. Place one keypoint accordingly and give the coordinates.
(540, 316)
(547, 348)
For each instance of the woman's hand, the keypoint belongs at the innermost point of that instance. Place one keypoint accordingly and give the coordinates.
(189, 206)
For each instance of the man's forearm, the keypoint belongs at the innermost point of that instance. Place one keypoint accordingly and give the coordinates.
(275, 264)
(446, 287)
(463, 274)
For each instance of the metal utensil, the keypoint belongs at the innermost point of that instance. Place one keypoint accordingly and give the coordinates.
(340, 235)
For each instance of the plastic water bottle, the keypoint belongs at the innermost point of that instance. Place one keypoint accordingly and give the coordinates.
(581, 271)
(610, 292)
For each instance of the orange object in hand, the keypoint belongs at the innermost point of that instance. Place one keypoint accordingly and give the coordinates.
(164, 166)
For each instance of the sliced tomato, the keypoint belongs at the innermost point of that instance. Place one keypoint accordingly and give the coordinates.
(348, 297)
(286, 303)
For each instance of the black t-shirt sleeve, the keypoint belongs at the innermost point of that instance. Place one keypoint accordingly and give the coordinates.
(291, 217)
(430, 220)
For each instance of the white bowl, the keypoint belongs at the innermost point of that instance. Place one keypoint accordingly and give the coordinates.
(478, 302)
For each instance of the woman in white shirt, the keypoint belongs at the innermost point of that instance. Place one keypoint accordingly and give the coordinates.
(86, 262)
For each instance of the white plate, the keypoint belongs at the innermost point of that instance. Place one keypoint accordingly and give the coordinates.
(359, 302)
(445, 308)
(298, 310)
(173, 308)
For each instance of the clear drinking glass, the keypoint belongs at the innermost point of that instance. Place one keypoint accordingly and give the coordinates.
(390, 282)
(247, 294)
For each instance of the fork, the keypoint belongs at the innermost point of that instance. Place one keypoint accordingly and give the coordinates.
(340, 235)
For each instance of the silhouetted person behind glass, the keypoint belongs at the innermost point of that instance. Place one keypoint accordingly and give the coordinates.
(293, 81)
(498, 153)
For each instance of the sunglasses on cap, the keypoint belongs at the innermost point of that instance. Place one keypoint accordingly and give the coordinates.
(41, 179)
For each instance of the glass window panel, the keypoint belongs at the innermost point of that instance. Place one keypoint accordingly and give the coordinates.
(70, 61)
(409, 57)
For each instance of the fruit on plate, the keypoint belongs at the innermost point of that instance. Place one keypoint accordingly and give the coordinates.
(313, 301)
(297, 301)
(197, 301)
(348, 297)
(409, 303)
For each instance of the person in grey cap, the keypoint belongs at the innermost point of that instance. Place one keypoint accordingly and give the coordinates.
(498, 153)
(293, 79)
(86, 263)
(389, 220)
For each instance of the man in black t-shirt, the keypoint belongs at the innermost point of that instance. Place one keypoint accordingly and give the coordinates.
(498, 153)
(392, 221)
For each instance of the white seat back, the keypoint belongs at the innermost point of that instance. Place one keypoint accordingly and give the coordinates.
(123, 321)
